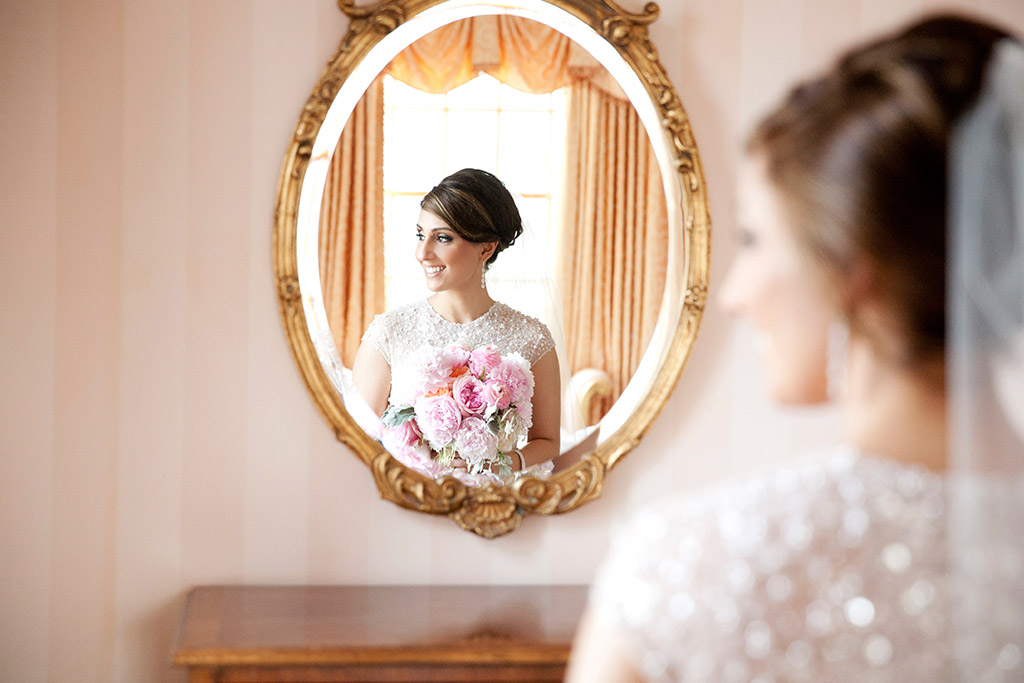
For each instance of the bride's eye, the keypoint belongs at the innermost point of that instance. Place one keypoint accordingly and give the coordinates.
(443, 238)
(419, 235)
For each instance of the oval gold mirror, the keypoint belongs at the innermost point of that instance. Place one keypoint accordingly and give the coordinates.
(606, 51)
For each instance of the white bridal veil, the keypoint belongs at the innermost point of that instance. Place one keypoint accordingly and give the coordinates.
(523, 277)
(986, 373)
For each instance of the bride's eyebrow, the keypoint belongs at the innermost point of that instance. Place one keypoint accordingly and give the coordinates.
(443, 227)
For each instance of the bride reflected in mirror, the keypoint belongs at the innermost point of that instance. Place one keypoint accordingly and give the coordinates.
(464, 384)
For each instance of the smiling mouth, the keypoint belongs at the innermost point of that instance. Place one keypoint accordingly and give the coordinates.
(432, 270)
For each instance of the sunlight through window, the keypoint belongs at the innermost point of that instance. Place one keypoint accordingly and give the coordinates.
(520, 137)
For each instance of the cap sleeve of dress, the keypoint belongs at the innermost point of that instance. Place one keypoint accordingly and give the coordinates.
(378, 334)
(541, 342)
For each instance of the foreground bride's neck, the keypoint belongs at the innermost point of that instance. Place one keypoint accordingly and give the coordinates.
(894, 413)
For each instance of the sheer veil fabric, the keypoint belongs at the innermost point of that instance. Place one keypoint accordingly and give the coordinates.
(523, 277)
(986, 371)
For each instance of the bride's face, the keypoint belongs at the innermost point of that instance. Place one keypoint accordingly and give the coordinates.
(449, 262)
(771, 285)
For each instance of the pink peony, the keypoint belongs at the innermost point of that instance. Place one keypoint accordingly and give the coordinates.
(515, 373)
(475, 442)
(434, 369)
(497, 394)
(459, 355)
(468, 393)
(483, 360)
(438, 418)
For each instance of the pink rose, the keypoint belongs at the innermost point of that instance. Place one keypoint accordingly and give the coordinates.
(483, 360)
(468, 393)
(474, 441)
(497, 394)
(438, 418)
(404, 444)
(406, 434)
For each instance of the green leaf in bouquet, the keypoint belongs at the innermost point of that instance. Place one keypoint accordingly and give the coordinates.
(504, 467)
(396, 416)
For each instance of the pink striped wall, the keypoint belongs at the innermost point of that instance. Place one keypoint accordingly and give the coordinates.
(154, 432)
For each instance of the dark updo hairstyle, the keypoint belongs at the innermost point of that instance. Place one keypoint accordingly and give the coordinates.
(859, 159)
(477, 206)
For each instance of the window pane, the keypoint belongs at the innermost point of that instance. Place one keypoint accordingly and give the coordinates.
(398, 94)
(517, 99)
(537, 212)
(413, 157)
(524, 153)
(404, 277)
(480, 93)
(400, 235)
(471, 136)
(529, 297)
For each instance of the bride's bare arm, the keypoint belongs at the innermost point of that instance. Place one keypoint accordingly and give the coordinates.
(544, 438)
(597, 656)
(372, 376)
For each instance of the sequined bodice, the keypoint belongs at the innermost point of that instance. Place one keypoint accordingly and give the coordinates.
(834, 570)
(399, 333)
(404, 330)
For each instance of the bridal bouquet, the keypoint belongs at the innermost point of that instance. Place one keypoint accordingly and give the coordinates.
(459, 403)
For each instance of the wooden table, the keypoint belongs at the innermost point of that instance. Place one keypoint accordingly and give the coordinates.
(378, 633)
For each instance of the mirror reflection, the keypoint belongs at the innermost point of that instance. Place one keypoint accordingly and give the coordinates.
(519, 100)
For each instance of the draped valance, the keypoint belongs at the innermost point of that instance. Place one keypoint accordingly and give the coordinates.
(521, 53)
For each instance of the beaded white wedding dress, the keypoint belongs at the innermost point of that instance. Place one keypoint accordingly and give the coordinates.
(838, 569)
(399, 333)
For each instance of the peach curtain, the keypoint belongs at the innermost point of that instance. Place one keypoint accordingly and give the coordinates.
(529, 56)
(613, 261)
(524, 54)
(351, 237)
(439, 61)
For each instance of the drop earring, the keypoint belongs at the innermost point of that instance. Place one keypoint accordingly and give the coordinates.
(483, 277)
(837, 341)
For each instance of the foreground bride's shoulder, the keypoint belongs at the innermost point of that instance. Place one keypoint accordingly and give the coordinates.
(838, 479)
(795, 571)
(823, 516)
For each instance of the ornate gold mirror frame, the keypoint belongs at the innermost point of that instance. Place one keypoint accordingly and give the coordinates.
(492, 510)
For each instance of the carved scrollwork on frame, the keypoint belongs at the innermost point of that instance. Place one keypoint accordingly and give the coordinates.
(491, 511)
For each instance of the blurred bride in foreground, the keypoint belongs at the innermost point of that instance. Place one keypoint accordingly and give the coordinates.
(897, 557)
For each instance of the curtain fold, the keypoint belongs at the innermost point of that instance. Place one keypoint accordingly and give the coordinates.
(533, 57)
(438, 62)
(351, 236)
(525, 54)
(612, 261)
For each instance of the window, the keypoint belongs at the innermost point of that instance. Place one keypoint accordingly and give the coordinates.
(520, 137)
